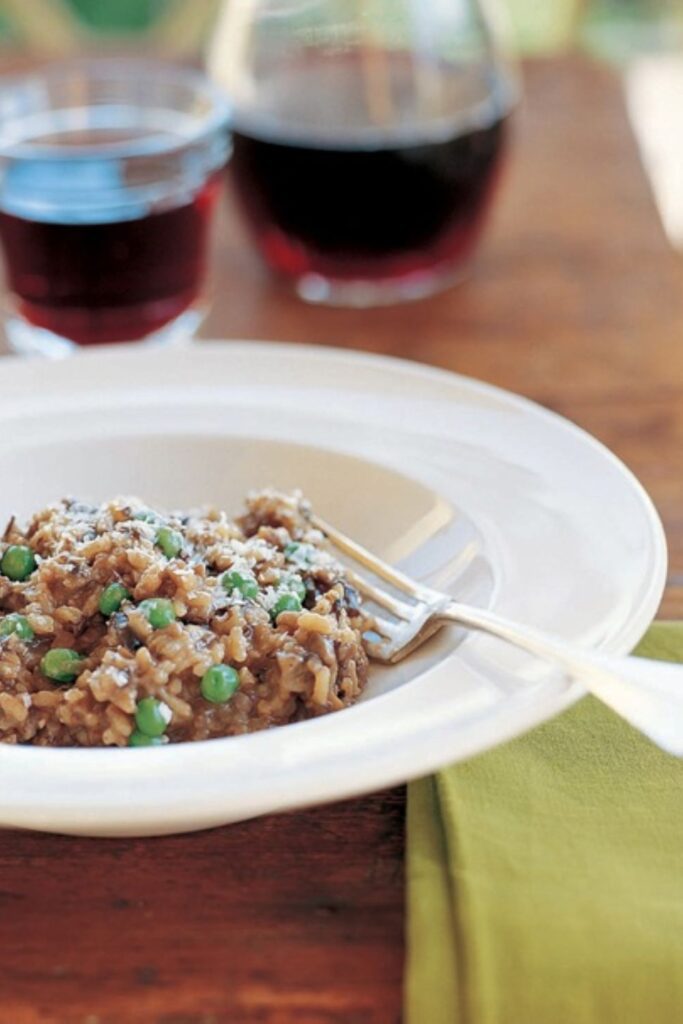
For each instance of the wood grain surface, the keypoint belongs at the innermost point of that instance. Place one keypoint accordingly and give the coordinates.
(576, 301)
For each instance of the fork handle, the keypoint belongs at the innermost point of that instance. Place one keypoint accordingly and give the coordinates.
(648, 694)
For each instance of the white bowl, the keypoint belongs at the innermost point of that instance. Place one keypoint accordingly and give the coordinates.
(477, 491)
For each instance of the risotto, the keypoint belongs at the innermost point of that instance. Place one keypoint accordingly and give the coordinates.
(124, 626)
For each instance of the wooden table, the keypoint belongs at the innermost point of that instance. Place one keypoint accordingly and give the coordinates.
(578, 303)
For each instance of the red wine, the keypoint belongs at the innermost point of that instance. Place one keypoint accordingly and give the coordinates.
(114, 281)
(365, 203)
(358, 213)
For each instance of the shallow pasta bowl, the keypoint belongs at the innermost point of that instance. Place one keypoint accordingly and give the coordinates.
(466, 487)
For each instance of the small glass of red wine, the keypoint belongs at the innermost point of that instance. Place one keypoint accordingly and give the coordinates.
(109, 172)
(368, 137)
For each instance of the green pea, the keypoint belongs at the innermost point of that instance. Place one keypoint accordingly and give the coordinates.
(112, 597)
(219, 683)
(18, 562)
(61, 664)
(244, 582)
(286, 603)
(170, 541)
(158, 611)
(146, 516)
(17, 624)
(138, 739)
(300, 553)
(295, 585)
(152, 716)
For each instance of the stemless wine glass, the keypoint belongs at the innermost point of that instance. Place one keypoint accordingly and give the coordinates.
(368, 138)
(108, 176)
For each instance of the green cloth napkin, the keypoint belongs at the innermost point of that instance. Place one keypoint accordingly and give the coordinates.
(545, 878)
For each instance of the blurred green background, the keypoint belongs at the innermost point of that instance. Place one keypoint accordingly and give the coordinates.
(615, 29)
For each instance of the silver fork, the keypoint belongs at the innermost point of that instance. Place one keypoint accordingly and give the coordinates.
(648, 694)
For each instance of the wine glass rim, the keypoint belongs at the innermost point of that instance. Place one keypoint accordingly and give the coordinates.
(214, 119)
